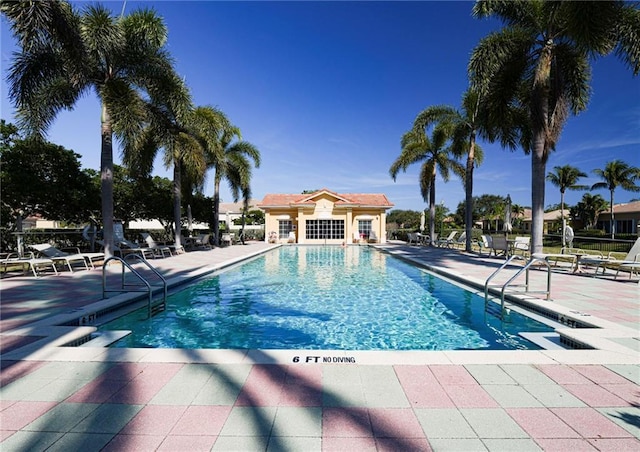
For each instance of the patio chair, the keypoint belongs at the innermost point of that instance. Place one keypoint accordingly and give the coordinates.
(68, 259)
(373, 237)
(160, 250)
(13, 261)
(521, 245)
(484, 243)
(200, 242)
(447, 242)
(630, 263)
(460, 241)
(499, 246)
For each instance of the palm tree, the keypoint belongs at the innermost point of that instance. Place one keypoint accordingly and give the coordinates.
(617, 174)
(66, 54)
(466, 123)
(566, 177)
(232, 160)
(540, 62)
(418, 147)
(589, 208)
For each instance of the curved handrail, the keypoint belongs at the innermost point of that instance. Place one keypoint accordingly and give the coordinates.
(126, 265)
(507, 262)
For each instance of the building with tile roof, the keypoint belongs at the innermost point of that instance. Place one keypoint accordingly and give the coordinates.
(325, 217)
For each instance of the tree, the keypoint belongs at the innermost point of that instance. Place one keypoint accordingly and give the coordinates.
(467, 124)
(540, 62)
(42, 178)
(407, 219)
(232, 162)
(65, 54)
(617, 174)
(418, 147)
(588, 209)
(565, 177)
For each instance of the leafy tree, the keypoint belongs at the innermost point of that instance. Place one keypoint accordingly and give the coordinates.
(588, 209)
(42, 178)
(418, 147)
(540, 62)
(408, 219)
(617, 174)
(566, 177)
(467, 123)
(65, 54)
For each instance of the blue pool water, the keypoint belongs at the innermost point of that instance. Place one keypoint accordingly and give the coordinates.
(331, 298)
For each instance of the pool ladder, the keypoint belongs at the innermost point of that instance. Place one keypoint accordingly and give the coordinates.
(152, 308)
(534, 259)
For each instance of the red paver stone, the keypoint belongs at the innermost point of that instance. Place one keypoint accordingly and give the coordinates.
(452, 375)
(187, 443)
(395, 423)
(22, 413)
(589, 423)
(335, 444)
(202, 420)
(595, 396)
(565, 445)
(403, 444)
(468, 396)
(138, 443)
(146, 384)
(97, 391)
(600, 375)
(616, 445)
(125, 371)
(541, 423)
(13, 370)
(563, 374)
(346, 422)
(303, 387)
(629, 392)
(154, 420)
(422, 388)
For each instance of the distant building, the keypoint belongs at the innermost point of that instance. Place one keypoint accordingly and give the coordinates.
(626, 216)
(325, 217)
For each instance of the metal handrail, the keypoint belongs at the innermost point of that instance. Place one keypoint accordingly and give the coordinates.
(534, 258)
(126, 265)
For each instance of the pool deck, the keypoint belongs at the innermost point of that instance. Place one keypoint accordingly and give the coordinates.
(55, 397)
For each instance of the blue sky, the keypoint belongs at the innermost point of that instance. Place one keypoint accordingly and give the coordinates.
(325, 91)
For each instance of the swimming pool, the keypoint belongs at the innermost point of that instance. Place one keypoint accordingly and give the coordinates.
(329, 298)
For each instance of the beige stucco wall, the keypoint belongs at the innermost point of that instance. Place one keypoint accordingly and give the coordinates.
(326, 209)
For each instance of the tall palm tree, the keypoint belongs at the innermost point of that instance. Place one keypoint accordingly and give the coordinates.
(467, 123)
(65, 54)
(589, 208)
(566, 177)
(232, 159)
(617, 174)
(434, 155)
(540, 61)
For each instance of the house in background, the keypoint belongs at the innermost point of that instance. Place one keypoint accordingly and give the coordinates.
(626, 216)
(552, 221)
(325, 217)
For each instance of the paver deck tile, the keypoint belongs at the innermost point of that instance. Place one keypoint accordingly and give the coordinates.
(541, 423)
(590, 423)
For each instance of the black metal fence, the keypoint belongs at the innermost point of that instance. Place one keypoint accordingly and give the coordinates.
(602, 244)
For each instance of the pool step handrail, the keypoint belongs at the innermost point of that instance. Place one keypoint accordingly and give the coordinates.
(151, 307)
(533, 260)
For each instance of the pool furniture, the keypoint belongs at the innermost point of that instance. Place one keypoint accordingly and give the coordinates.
(630, 263)
(499, 246)
(447, 242)
(460, 241)
(160, 250)
(484, 243)
(373, 238)
(521, 245)
(200, 242)
(68, 259)
(14, 260)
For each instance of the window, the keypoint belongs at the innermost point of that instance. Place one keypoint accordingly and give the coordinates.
(284, 228)
(364, 228)
(325, 229)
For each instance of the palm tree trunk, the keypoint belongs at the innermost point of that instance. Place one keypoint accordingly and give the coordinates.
(613, 220)
(177, 203)
(106, 181)
(216, 210)
(564, 241)
(538, 167)
(432, 210)
(468, 196)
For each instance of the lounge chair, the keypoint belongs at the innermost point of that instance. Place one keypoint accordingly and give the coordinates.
(121, 250)
(460, 241)
(521, 245)
(68, 259)
(630, 263)
(160, 250)
(448, 241)
(13, 260)
(412, 237)
(200, 242)
(373, 238)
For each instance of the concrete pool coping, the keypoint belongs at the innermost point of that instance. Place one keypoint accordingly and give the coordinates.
(611, 339)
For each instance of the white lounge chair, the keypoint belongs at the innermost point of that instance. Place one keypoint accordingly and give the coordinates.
(521, 245)
(59, 256)
(448, 241)
(158, 249)
(630, 263)
(460, 241)
(25, 263)
(484, 243)
(373, 238)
